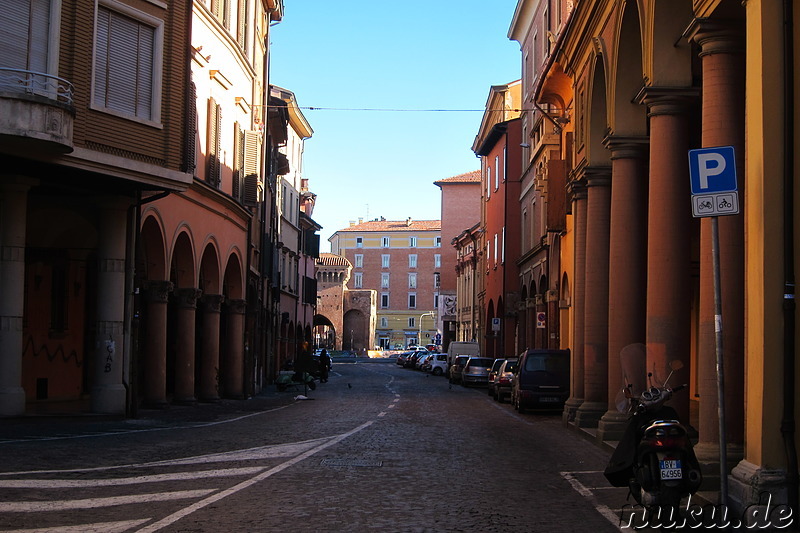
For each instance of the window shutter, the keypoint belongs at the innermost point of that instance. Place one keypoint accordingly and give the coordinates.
(191, 129)
(212, 164)
(252, 184)
(39, 35)
(242, 22)
(238, 171)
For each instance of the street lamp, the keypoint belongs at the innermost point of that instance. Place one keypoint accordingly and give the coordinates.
(429, 313)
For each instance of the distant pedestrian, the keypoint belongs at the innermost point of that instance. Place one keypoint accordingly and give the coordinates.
(324, 365)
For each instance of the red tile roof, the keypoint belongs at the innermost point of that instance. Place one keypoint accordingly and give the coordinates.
(396, 225)
(327, 259)
(469, 177)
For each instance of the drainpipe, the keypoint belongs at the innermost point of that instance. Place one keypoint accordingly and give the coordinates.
(788, 422)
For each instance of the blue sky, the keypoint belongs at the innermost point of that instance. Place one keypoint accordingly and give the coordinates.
(377, 54)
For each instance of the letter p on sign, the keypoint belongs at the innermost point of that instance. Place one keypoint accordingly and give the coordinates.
(712, 170)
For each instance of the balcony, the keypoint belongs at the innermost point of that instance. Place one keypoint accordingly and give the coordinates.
(36, 112)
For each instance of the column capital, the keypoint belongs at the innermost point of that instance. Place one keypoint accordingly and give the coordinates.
(211, 303)
(668, 100)
(236, 306)
(157, 291)
(717, 36)
(187, 297)
(597, 176)
(627, 147)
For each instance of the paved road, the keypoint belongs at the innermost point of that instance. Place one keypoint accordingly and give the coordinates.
(377, 448)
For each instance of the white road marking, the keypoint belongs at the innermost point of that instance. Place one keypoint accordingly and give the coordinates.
(381, 414)
(104, 527)
(88, 483)
(581, 489)
(92, 503)
(250, 482)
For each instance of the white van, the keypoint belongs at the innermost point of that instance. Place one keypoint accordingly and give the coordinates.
(456, 348)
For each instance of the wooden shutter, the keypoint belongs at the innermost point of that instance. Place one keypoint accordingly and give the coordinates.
(252, 183)
(241, 20)
(190, 156)
(24, 34)
(213, 148)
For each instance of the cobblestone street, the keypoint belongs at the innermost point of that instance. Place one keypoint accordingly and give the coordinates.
(377, 448)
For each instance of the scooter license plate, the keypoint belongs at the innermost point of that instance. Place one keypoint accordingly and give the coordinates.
(671, 469)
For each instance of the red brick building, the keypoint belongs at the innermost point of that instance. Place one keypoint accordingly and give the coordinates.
(401, 261)
(461, 209)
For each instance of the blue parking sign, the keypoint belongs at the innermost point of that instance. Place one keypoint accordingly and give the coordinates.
(712, 170)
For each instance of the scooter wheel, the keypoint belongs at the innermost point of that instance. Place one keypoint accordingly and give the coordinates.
(312, 385)
(281, 387)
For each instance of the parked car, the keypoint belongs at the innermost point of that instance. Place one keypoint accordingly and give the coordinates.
(421, 361)
(412, 358)
(541, 380)
(457, 367)
(403, 357)
(476, 371)
(493, 373)
(438, 364)
(504, 380)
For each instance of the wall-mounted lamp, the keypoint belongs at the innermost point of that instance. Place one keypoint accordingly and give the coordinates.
(525, 145)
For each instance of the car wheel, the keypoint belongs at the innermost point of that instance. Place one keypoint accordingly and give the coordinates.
(498, 397)
(437, 371)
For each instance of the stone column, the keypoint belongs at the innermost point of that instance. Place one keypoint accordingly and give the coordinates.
(210, 307)
(595, 339)
(722, 55)
(578, 192)
(155, 343)
(107, 390)
(185, 349)
(13, 214)
(234, 354)
(627, 277)
(669, 294)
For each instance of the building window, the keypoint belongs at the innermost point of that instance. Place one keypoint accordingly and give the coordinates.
(359, 261)
(385, 280)
(385, 242)
(385, 260)
(436, 300)
(384, 322)
(488, 182)
(384, 300)
(25, 36)
(495, 249)
(503, 246)
(412, 280)
(438, 242)
(412, 242)
(357, 279)
(496, 172)
(437, 260)
(412, 261)
(127, 66)
(412, 300)
(359, 242)
(436, 280)
(412, 322)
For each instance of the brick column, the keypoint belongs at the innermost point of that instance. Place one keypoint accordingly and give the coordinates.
(234, 354)
(578, 192)
(210, 307)
(669, 295)
(722, 55)
(185, 346)
(595, 339)
(627, 277)
(155, 343)
(13, 214)
(108, 392)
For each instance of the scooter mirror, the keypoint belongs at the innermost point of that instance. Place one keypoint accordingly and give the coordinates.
(675, 364)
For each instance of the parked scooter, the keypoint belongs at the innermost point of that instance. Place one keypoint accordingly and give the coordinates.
(288, 379)
(654, 458)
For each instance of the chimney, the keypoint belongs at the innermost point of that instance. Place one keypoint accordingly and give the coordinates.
(408, 222)
(352, 223)
(360, 220)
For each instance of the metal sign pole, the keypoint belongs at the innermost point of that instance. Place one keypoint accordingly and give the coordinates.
(723, 446)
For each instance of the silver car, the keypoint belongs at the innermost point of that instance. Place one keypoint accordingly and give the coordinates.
(476, 371)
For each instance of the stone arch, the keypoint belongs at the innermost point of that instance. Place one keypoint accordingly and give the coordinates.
(628, 117)
(354, 334)
(209, 280)
(324, 332)
(182, 264)
(597, 126)
(233, 284)
(667, 61)
(491, 313)
(153, 250)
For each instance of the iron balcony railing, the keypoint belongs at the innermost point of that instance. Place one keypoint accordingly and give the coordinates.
(26, 82)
